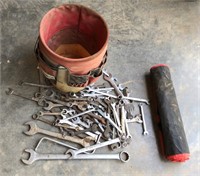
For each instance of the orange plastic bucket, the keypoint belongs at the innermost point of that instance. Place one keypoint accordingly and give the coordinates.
(72, 46)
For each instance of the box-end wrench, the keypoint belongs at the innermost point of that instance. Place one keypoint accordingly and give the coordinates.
(74, 153)
(35, 129)
(145, 132)
(34, 156)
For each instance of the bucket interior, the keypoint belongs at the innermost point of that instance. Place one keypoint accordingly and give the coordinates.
(73, 31)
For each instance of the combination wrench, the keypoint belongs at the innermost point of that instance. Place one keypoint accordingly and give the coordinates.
(35, 129)
(34, 156)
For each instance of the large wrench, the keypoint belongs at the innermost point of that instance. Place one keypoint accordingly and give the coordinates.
(35, 129)
(34, 156)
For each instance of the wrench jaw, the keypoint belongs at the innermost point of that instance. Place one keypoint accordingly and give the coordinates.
(32, 128)
(32, 157)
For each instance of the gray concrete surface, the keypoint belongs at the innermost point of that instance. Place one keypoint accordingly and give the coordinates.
(142, 33)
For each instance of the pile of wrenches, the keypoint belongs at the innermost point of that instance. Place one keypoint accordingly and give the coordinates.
(93, 118)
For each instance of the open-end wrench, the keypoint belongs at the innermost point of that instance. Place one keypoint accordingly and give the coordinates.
(35, 129)
(10, 91)
(34, 156)
(145, 132)
(107, 116)
(89, 89)
(128, 134)
(40, 118)
(116, 116)
(108, 77)
(78, 121)
(94, 136)
(74, 116)
(136, 119)
(50, 105)
(93, 128)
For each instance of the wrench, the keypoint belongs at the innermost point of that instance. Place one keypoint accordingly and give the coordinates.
(123, 117)
(10, 91)
(145, 132)
(94, 136)
(135, 119)
(115, 114)
(50, 105)
(93, 128)
(88, 88)
(34, 156)
(108, 77)
(35, 129)
(110, 120)
(77, 115)
(34, 85)
(128, 134)
(37, 117)
(74, 153)
(78, 121)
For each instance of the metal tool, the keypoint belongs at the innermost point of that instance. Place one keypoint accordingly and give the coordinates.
(108, 77)
(136, 119)
(40, 118)
(77, 115)
(34, 156)
(73, 153)
(107, 116)
(10, 91)
(35, 129)
(34, 85)
(89, 89)
(50, 105)
(116, 116)
(145, 132)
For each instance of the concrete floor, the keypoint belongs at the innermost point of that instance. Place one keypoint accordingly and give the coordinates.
(142, 33)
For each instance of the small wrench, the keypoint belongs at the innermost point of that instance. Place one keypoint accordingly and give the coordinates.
(77, 115)
(145, 132)
(136, 119)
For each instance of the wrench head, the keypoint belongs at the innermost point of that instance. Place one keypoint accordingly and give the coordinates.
(32, 157)
(32, 128)
(145, 133)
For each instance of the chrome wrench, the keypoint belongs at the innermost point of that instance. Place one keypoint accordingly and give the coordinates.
(145, 132)
(35, 129)
(34, 156)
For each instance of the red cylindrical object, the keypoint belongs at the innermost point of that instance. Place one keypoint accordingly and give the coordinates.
(81, 30)
(172, 131)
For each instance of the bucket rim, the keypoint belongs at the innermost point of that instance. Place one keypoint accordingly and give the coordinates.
(105, 45)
